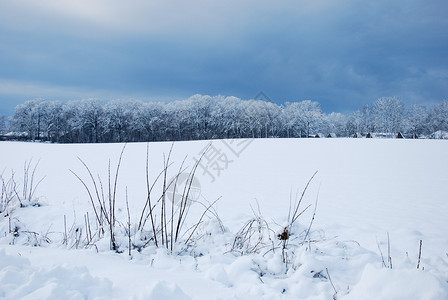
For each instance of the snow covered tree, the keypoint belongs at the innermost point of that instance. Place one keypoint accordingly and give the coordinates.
(336, 123)
(274, 121)
(207, 117)
(85, 120)
(292, 120)
(29, 118)
(227, 117)
(354, 123)
(438, 117)
(260, 118)
(118, 117)
(2, 124)
(415, 120)
(198, 111)
(148, 122)
(51, 120)
(388, 113)
(302, 118)
(311, 116)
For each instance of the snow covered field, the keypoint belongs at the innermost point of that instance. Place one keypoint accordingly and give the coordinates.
(376, 200)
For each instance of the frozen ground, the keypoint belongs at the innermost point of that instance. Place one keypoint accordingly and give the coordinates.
(366, 191)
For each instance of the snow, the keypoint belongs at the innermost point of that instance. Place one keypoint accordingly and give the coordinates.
(366, 190)
(399, 284)
(21, 280)
(439, 134)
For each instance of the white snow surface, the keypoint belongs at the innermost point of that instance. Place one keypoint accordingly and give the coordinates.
(375, 198)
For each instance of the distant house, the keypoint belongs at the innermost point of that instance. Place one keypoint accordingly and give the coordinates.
(331, 135)
(14, 136)
(369, 135)
(440, 134)
(400, 136)
(384, 135)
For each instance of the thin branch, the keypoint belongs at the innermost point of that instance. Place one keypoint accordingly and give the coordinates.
(314, 215)
(176, 179)
(186, 192)
(32, 186)
(381, 253)
(129, 222)
(148, 199)
(419, 254)
(200, 219)
(295, 216)
(142, 221)
(388, 251)
(90, 195)
(102, 206)
(116, 180)
(331, 281)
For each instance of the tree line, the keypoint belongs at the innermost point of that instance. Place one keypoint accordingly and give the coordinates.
(215, 117)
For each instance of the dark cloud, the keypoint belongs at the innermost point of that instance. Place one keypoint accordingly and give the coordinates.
(343, 54)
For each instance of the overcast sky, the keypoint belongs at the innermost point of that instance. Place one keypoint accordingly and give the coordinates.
(342, 54)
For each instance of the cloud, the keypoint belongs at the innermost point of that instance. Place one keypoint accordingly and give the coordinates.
(29, 90)
(14, 92)
(138, 17)
(341, 53)
(36, 89)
